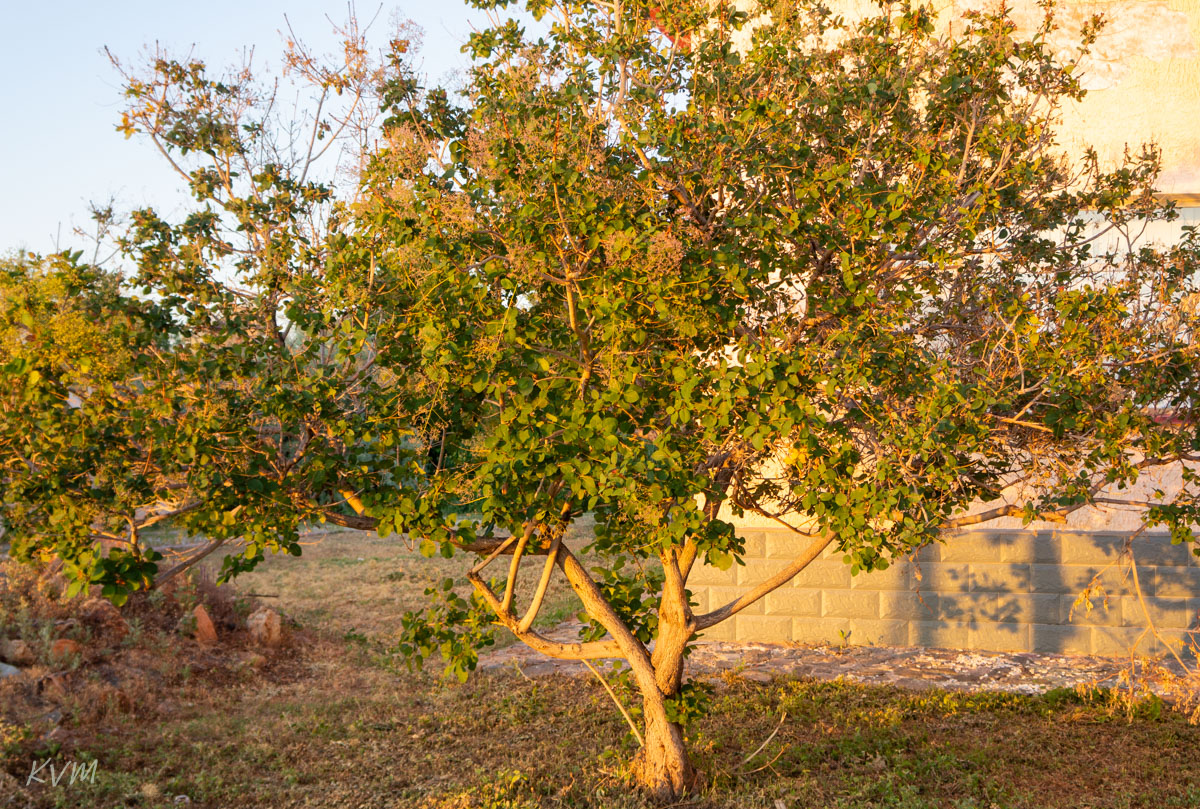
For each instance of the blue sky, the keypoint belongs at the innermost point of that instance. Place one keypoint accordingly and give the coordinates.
(62, 98)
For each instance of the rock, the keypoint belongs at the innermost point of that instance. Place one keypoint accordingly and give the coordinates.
(265, 627)
(757, 676)
(253, 659)
(206, 633)
(64, 647)
(17, 652)
(53, 687)
(103, 615)
(8, 671)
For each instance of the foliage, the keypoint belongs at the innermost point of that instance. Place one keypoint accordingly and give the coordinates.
(455, 627)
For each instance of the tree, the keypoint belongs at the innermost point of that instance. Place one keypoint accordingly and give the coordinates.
(841, 278)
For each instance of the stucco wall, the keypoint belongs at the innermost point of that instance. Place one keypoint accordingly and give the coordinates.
(1001, 590)
(1142, 76)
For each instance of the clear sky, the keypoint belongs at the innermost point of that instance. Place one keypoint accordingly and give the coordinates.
(61, 97)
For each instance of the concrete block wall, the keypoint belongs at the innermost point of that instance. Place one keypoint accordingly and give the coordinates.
(1000, 590)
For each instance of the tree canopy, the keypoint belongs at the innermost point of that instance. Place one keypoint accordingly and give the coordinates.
(660, 265)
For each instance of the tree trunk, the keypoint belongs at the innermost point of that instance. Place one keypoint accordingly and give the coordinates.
(662, 767)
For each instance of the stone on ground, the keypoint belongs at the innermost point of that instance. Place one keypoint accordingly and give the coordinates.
(64, 647)
(103, 615)
(265, 627)
(17, 652)
(206, 633)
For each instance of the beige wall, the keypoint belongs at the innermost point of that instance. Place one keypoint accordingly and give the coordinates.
(1142, 76)
(985, 590)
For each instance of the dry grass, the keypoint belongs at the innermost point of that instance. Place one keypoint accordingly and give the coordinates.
(355, 582)
(329, 722)
(326, 730)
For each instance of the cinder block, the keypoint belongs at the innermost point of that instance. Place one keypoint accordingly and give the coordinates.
(962, 607)
(937, 577)
(1023, 608)
(703, 574)
(1059, 579)
(699, 599)
(850, 604)
(970, 547)
(1092, 547)
(908, 606)
(824, 574)
(1074, 579)
(1165, 613)
(720, 596)
(793, 601)
(878, 633)
(1000, 578)
(785, 544)
(1104, 612)
(1020, 548)
(1178, 582)
(1030, 547)
(763, 628)
(1185, 642)
(758, 570)
(821, 630)
(755, 544)
(939, 634)
(722, 631)
(927, 554)
(1059, 639)
(998, 637)
(898, 576)
(1122, 640)
(1157, 550)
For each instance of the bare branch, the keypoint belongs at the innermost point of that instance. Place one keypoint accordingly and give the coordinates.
(778, 580)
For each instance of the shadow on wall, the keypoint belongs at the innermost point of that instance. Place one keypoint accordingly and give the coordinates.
(1070, 592)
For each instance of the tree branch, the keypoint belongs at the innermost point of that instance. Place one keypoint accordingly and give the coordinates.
(539, 595)
(540, 643)
(778, 580)
(189, 562)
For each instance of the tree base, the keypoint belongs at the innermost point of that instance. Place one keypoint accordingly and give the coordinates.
(662, 769)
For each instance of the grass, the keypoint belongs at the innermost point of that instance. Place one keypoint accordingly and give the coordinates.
(330, 722)
(351, 582)
(332, 731)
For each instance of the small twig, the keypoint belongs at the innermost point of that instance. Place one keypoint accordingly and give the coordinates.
(768, 764)
(617, 702)
(766, 741)
(516, 665)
